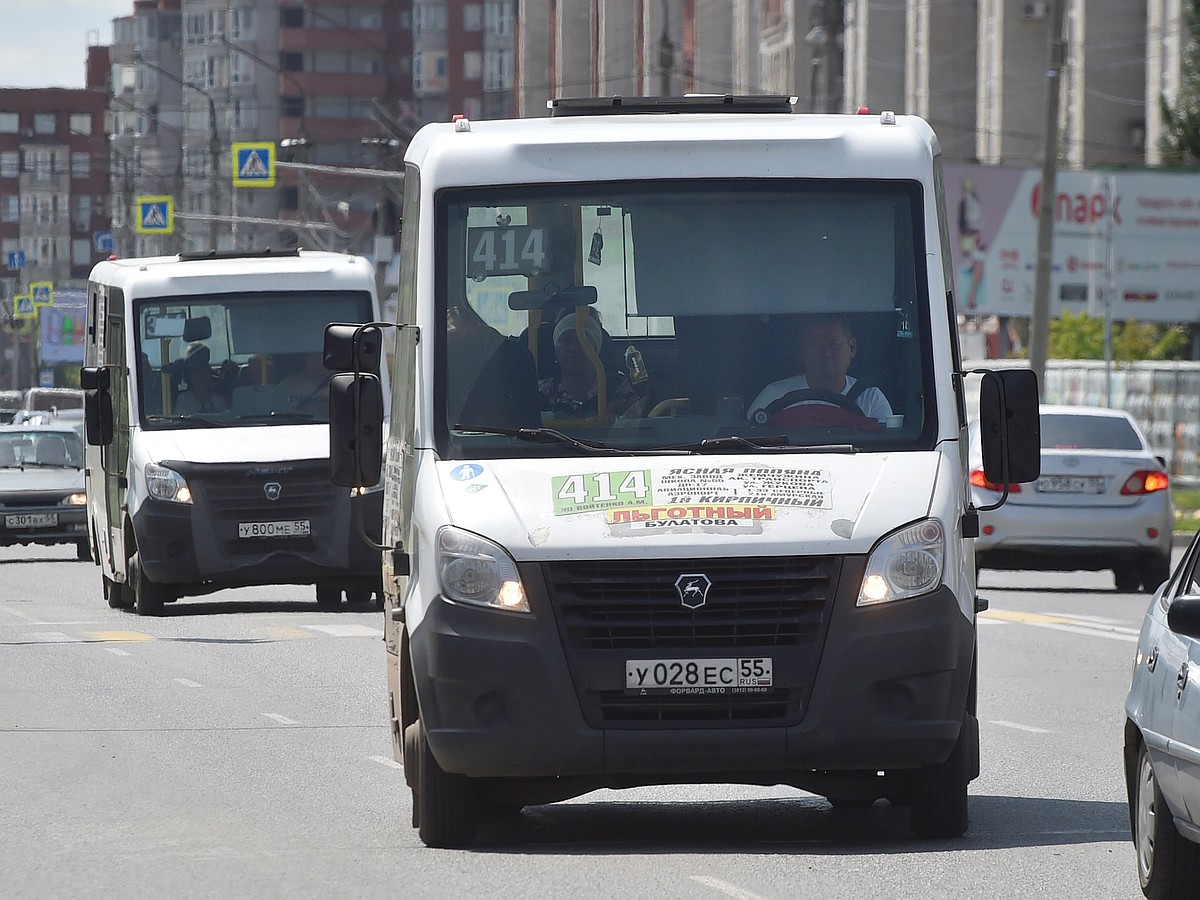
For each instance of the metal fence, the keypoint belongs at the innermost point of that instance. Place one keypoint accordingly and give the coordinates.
(1163, 397)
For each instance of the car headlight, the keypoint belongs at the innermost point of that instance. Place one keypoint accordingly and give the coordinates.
(167, 484)
(75, 500)
(363, 491)
(475, 570)
(905, 564)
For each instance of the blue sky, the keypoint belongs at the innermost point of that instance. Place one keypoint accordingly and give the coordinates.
(45, 41)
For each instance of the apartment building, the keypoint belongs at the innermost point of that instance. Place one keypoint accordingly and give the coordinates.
(53, 181)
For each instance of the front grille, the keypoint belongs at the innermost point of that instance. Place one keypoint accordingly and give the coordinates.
(234, 495)
(27, 499)
(610, 611)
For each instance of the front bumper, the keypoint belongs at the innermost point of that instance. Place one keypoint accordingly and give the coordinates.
(199, 543)
(876, 688)
(70, 525)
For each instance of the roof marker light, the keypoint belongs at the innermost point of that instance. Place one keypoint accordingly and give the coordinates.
(864, 110)
(461, 122)
(887, 117)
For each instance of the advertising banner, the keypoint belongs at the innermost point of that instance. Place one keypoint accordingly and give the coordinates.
(60, 329)
(1134, 237)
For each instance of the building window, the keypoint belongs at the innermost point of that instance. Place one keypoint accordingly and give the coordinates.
(289, 198)
(124, 77)
(291, 107)
(429, 15)
(147, 80)
(81, 252)
(194, 31)
(10, 164)
(80, 123)
(81, 165)
(472, 17)
(242, 114)
(81, 215)
(472, 65)
(10, 208)
(38, 164)
(429, 71)
(241, 23)
(10, 123)
(45, 123)
(241, 69)
(291, 62)
(291, 17)
(498, 16)
(497, 70)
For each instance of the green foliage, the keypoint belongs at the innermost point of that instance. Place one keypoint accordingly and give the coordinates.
(1080, 336)
(1180, 144)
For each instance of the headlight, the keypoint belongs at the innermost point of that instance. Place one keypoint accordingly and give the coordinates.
(75, 500)
(475, 570)
(167, 484)
(905, 564)
(363, 491)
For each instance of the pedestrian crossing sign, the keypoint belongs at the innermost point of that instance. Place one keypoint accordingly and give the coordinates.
(42, 293)
(254, 164)
(154, 215)
(23, 307)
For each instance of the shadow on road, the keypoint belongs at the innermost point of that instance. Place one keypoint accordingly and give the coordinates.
(804, 825)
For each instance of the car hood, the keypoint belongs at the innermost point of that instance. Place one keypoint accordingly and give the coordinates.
(270, 443)
(688, 506)
(38, 478)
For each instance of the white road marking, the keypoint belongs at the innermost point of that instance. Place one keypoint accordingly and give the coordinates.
(282, 720)
(346, 630)
(1017, 725)
(15, 612)
(1098, 620)
(117, 651)
(1124, 634)
(731, 890)
(385, 761)
(187, 682)
(980, 620)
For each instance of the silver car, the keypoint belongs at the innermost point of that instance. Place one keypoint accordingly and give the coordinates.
(1103, 501)
(1162, 738)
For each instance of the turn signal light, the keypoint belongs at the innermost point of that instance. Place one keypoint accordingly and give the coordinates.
(980, 480)
(1146, 481)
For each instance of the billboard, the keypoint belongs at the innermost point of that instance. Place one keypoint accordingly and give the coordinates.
(60, 329)
(1134, 237)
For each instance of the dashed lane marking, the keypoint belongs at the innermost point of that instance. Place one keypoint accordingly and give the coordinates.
(347, 630)
(1017, 725)
(52, 637)
(117, 651)
(1072, 625)
(386, 761)
(282, 720)
(187, 682)
(729, 890)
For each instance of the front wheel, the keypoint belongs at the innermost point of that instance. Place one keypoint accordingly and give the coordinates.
(83, 550)
(116, 594)
(1155, 570)
(328, 595)
(148, 596)
(1168, 863)
(1128, 579)
(939, 799)
(445, 810)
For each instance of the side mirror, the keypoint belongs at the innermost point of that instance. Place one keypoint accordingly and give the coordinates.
(1009, 426)
(97, 405)
(355, 429)
(353, 348)
(1183, 616)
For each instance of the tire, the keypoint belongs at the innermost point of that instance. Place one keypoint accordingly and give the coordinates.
(358, 595)
(328, 595)
(1168, 863)
(1128, 579)
(939, 798)
(116, 594)
(445, 810)
(148, 596)
(83, 550)
(1155, 570)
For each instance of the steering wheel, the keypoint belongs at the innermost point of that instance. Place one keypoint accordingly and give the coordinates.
(815, 408)
(671, 407)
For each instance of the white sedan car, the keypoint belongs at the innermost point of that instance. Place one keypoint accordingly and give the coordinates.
(1162, 738)
(1103, 501)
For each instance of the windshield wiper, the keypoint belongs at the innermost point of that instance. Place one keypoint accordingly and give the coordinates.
(285, 415)
(188, 418)
(552, 436)
(778, 443)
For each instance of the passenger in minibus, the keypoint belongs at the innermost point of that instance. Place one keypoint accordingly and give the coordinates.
(199, 394)
(490, 379)
(572, 393)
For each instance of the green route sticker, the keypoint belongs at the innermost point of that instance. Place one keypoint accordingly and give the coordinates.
(594, 491)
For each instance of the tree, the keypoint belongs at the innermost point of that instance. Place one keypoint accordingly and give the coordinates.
(1080, 336)
(1180, 143)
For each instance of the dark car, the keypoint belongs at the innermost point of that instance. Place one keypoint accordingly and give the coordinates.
(42, 496)
(10, 403)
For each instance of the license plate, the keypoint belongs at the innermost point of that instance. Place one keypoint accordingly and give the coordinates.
(682, 677)
(293, 528)
(1071, 484)
(31, 520)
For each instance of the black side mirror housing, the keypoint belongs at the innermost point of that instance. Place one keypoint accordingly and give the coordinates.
(1010, 426)
(353, 348)
(1183, 616)
(355, 429)
(97, 405)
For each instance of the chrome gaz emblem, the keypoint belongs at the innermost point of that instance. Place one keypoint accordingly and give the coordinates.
(693, 590)
(272, 489)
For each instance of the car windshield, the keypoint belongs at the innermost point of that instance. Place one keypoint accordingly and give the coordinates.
(1061, 431)
(233, 359)
(695, 316)
(43, 449)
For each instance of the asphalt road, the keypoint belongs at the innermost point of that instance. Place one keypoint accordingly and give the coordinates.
(238, 747)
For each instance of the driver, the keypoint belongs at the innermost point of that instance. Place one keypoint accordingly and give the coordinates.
(826, 350)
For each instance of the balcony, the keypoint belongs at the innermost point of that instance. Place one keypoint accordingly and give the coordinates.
(300, 40)
(333, 84)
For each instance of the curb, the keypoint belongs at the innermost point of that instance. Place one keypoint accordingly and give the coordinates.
(1181, 538)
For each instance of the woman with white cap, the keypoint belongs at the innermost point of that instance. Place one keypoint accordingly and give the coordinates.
(572, 394)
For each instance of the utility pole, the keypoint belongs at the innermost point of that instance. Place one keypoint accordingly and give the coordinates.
(666, 54)
(1039, 325)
